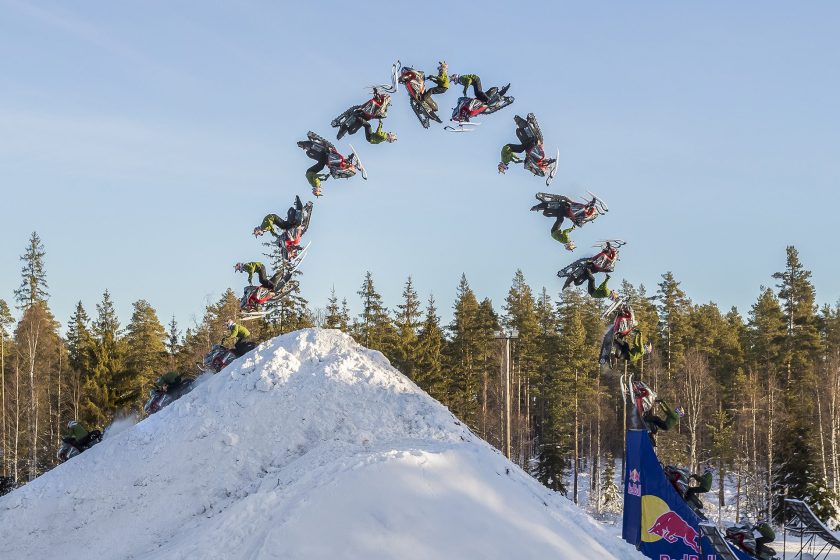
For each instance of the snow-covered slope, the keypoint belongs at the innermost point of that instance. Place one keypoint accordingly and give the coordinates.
(309, 447)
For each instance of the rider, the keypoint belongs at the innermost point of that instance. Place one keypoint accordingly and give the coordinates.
(170, 380)
(656, 423)
(442, 81)
(704, 482)
(767, 535)
(527, 143)
(472, 79)
(627, 336)
(577, 212)
(77, 435)
(251, 268)
(320, 153)
(272, 222)
(602, 291)
(562, 236)
(241, 334)
(378, 105)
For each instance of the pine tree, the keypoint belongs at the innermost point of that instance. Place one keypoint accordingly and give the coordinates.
(33, 287)
(407, 322)
(145, 353)
(374, 328)
(99, 389)
(173, 342)
(465, 356)
(430, 355)
(80, 346)
(674, 325)
(797, 474)
(612, 500)
(333, 318)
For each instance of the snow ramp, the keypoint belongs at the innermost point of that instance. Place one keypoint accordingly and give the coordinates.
(656, 518)
(311, 446)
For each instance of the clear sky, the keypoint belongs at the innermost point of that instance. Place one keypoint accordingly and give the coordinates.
(144, 141)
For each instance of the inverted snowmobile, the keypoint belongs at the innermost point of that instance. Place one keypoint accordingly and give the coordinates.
(339, 167)
(470, 107)
(159, 399)
(415, 84)
(555, 205)
(679, 479)
(70, 447)
(289, 240)
(622, 335)
(743, 536)
(576, 272)
(529, 134)
(356, 116)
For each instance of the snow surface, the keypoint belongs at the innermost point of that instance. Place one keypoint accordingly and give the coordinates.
(309, 447)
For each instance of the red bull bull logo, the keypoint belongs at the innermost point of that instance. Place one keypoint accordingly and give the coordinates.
(671, 527)
(634, 487)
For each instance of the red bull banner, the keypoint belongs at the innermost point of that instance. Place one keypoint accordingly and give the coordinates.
(656, 519)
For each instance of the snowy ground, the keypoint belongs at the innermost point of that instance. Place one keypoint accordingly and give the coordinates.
(309, 447)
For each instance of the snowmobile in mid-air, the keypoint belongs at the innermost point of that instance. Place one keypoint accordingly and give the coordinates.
(289, 240)
(623, 339)
(339, 167)
(159, 399)
(254, 297)
(415, 84)
(557, 205)
(70, 447)
(679, 479)
(376, 107)
(576, 272)
(743, 536)
(470, 107)
(529, 134)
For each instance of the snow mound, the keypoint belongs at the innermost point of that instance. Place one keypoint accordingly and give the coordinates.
(309, 447)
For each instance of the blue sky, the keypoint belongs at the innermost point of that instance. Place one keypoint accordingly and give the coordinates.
(144, 142)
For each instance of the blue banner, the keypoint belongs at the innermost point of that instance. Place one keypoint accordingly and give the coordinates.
(656, 519)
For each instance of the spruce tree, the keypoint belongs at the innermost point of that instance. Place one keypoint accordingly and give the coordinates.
(407, 322)
(465, 356)
(33, 286)
(374, 328)
(173, 342)
(145, 352)
(333, 318)
(80, 347)
(99, 389)
(430, 355)
(674, 326)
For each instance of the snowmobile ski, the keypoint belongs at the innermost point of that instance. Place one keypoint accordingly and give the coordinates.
(614, 304)
(359, 164)
(462, 127)
(553, 172)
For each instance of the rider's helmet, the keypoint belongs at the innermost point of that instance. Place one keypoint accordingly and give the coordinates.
(390, 137)
(454, 77)
(502, 167)
(72, 424)
(230, 324)
(258, 231)
(238, 267)
(570, 246)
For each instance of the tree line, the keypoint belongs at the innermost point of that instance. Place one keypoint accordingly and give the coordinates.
(761, 393)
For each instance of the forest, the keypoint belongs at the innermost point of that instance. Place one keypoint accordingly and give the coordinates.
(760, 392)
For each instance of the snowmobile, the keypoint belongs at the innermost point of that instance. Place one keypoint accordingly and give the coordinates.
(159, 399)
(604, 261)
(339, 167)
(579, 212)
(743, 536)
(529, 133)
(253, 297)
(354, 118)
(70, 447)
(415, 85)
(469, 107)
(679, 480)
(217, 359)
(618, 347)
